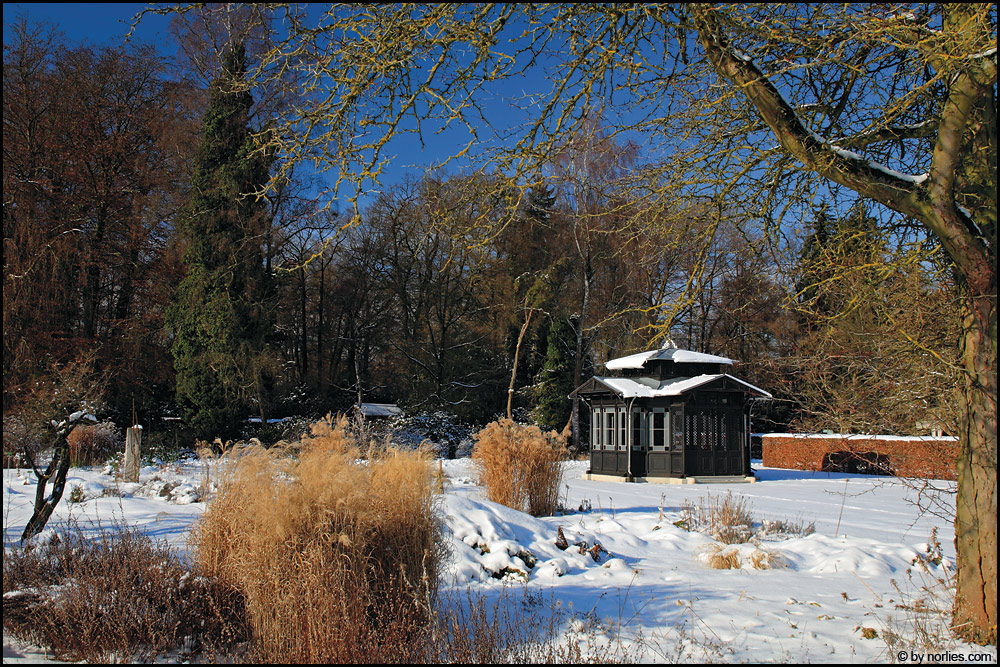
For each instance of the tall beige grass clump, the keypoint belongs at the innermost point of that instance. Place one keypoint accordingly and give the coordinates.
(728, 520)
(92, 444)
(337, 557)
(520, 466)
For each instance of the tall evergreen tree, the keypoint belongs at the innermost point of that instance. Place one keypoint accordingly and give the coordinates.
(556, 379)
(219, 316)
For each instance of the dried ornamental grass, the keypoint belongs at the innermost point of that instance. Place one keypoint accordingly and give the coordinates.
(337, 558)
(520, 466)
(92, 444)
(733, 557)
(730, 520)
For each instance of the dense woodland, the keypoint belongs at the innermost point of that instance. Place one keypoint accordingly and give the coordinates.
(105, 158)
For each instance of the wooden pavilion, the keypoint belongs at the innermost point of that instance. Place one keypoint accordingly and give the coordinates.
(669, 415)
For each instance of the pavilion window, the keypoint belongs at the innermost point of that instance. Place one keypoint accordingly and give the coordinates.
(638, 425)
(658, 430)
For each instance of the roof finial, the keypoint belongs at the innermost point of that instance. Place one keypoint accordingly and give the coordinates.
(668, 344)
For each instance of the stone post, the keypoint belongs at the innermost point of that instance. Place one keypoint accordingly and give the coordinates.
(133, 437)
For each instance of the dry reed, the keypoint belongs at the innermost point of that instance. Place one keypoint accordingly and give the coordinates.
(337, 558)
(520, 466)
(728, 520)
(92, 444)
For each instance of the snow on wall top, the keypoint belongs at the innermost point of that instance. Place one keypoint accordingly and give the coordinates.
(856, 436)
(669, 354)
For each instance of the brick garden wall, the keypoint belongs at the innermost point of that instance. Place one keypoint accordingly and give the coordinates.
(928, 457)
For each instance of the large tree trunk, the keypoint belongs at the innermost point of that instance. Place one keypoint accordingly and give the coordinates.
(975, 613)
(933, 202)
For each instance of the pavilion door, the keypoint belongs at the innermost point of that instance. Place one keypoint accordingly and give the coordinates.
(715, 442)
(637, 443)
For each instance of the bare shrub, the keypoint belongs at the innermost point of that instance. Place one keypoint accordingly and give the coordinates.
(337, 558)
(21, 443)
(727, 520)
(119, 597)
(730, 520)
(520, 466)
(92, 444)
(922, 617)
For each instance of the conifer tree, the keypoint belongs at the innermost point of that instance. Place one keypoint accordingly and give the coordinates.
(219, 314)
(555, 380)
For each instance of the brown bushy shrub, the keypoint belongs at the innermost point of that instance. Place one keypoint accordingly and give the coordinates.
(520, 466)
(120, 597)
(337, 558)
(92, 444)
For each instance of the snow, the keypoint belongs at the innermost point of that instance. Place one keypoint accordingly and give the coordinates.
(651, 583)
(855, 436)
(381, 410)
(671, 354)
(851, 155)
(650, 388)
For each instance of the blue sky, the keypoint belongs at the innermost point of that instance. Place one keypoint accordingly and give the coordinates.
(106, 24)
(96, 23)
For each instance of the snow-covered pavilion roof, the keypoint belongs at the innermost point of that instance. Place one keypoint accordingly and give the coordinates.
(667, 354)
(643, 387)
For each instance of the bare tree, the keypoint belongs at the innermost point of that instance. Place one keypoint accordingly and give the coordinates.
(65, 397)
(952, 145)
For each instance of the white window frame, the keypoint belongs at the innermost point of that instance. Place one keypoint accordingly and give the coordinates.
(621, 428)
(665, 431)
(610, 428)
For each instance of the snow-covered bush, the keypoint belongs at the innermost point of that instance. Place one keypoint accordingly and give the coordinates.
(449, 437)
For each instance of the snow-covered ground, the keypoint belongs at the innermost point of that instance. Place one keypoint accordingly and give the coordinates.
(653, 588)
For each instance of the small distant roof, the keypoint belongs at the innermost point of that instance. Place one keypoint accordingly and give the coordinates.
(667, 354)
(650, 388)
(380, 410)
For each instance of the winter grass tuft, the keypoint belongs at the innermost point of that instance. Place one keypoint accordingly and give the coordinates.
(731, 520)
(733, 557)
(520, 466)
(337, 558)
